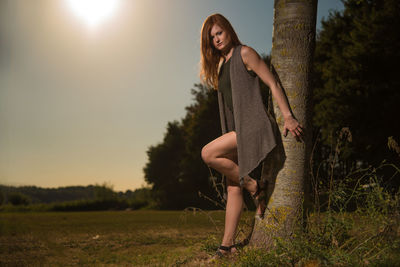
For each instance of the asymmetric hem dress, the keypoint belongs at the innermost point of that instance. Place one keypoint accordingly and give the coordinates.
(248, 116)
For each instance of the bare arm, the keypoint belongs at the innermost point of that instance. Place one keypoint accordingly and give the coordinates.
(254, 62)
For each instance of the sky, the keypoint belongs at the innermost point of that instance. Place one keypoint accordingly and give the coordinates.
(84, 95)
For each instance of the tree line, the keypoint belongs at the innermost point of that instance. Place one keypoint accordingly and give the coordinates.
(73, 198)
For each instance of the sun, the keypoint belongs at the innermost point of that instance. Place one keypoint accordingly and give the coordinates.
(93, 12)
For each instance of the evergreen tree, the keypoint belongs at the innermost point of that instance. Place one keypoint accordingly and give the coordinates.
(162, 170)
(356, 78)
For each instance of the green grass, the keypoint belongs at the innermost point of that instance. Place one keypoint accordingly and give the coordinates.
(119, 238)
(184, 238)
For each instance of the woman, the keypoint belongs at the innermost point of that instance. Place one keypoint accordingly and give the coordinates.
(234, 70)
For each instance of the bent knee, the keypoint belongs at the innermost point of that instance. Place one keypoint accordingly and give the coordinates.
(207, 155)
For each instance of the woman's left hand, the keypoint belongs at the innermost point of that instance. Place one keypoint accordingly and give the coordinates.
(292, 125)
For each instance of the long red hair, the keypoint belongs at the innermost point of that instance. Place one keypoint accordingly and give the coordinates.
(210, 56)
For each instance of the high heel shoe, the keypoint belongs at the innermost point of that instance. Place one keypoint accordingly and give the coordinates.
(218, 254)
(228, 251)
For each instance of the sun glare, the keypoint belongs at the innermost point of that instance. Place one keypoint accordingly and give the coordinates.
(93, 11)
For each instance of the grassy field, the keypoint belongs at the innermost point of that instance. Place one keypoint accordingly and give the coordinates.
(188, 238)
(116, 238)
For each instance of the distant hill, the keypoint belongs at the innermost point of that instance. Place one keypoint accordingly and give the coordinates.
(60, 194)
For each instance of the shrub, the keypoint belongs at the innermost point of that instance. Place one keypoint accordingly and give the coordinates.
(17, 199)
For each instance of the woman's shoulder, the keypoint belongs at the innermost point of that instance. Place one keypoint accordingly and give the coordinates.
(248, 53)
(249, 57)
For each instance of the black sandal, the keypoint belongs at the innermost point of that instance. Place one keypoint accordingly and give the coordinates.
(219, 254)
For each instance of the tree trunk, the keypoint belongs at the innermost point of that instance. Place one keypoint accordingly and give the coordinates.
(287, 167)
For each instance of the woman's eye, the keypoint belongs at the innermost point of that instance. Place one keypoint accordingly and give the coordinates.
(218, 33)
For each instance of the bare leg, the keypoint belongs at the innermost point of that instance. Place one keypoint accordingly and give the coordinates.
(234, 207)
(221, 155)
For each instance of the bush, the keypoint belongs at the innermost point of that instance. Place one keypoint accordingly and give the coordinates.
(105, 192)
(18, 199)
(91, 205)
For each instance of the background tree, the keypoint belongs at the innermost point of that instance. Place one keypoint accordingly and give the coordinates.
(357, 82)
(175, 169)
(162, 170)
(48, 195)
(291, 56)
(200, 126)
(105, 192)
(18, 199)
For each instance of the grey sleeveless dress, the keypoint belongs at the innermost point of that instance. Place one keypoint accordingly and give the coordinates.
(249, 118)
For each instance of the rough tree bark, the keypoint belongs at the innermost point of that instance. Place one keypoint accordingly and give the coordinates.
(287, 167)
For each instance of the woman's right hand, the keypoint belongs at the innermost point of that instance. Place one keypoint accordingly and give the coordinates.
(292, 125)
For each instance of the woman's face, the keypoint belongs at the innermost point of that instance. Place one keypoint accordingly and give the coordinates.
(219, 37)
